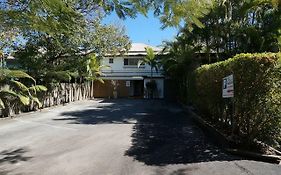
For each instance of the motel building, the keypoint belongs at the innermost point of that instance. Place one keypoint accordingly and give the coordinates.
(124, 79)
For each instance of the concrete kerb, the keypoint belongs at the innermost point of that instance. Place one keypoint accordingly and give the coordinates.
(227, 144)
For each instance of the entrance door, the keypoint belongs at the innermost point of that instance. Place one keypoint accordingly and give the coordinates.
(138, 88)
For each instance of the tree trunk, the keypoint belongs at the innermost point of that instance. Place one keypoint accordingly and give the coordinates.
(92, 89)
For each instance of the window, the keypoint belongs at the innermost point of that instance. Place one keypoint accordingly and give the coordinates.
(110, 60)
(126, 61)
(131, 61)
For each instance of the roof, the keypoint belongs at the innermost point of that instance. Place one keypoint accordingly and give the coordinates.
(140, 47)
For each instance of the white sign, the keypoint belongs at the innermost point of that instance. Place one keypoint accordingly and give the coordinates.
(128, 83)
(228, 87)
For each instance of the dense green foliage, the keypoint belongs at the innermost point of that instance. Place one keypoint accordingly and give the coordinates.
(17, 89)
(176, 12)
(257, 84)
(54, 40)
(57, 41)
(68, 28)
(151, 59)
(42, 54)
(231, 27)
(57, 16)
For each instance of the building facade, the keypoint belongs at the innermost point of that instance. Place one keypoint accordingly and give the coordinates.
(124, 78)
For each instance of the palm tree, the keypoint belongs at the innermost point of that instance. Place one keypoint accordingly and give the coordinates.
(94, 71)
(13, 92)
(154, 63)
(151, 60)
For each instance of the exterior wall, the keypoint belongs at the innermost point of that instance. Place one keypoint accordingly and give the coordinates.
(105, 90)
(138, 77)
(117, 68)
(160, 87)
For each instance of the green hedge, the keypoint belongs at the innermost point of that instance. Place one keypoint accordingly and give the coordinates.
(257, 102)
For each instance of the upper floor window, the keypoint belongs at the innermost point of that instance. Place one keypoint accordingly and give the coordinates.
(131, 61)
(110, 60)
(126, 61)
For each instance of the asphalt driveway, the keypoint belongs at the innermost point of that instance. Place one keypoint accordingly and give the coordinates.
(115, 137)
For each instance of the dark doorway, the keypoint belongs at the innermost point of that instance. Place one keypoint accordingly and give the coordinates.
(138, 88)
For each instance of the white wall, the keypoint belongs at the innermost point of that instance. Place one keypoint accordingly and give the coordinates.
(117, 68)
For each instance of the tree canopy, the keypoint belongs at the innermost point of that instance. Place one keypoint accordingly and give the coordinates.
(60, 35)
(60, 19)
(232, 27)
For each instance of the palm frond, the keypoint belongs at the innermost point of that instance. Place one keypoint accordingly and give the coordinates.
(36, 100)
(140, 62)
(7, 92)
(150, 53)
(19, 74)
(25, 100)
(59, 75)
(74, 74)
(19, 85)
(104, 66)
(100, 80)
(38, 88)
(2, 105)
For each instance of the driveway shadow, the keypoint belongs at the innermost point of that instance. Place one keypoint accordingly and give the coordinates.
(121, 111)
(13, 156)
(162, 133)
(172, 138)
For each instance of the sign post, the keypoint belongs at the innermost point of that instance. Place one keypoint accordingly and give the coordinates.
(228, 93)
(228, 87)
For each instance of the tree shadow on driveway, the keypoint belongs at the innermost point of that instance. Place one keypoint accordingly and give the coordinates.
(13, 156)
(172, 138)
(162, 133)
(119, 111)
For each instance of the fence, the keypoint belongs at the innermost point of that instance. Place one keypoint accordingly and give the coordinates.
(60, 94)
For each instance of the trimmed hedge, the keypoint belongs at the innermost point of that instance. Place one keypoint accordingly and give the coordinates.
(257, 101)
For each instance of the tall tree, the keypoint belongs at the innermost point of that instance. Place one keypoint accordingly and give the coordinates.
(70, 52)
(57, 16)
(176, 12)
(235, 26)
(151, 59)
(230, 27)
(55, 19)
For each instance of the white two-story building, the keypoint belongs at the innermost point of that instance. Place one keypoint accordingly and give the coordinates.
(125, 79)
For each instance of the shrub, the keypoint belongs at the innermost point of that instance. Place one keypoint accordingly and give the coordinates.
(257, 101)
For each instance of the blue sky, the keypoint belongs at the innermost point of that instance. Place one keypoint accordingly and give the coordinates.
(144, 29)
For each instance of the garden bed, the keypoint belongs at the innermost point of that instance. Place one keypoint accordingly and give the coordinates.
(256, 151)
